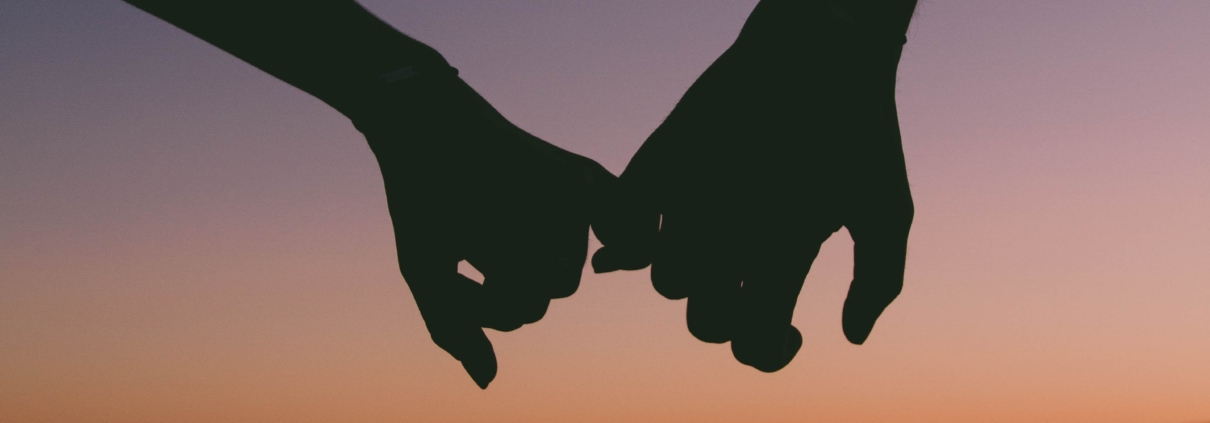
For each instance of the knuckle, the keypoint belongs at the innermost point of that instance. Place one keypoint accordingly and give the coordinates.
(708, 331)
(444, 339)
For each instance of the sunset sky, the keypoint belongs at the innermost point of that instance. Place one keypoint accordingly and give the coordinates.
(184, 238)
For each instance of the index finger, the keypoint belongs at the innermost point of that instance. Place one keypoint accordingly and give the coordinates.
(449, 303)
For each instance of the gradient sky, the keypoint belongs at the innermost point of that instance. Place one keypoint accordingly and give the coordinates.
(185, 239)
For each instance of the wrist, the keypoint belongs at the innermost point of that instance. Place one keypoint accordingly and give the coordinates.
(422, 61)
(816, 40)
(418, 85)
(815, 27)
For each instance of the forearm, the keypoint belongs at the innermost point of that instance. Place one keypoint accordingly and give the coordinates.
(866, 26)
(332, 49)
(838, 40)
(886, 17)
(891, 16)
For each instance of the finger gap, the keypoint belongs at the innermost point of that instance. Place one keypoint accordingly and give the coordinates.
(469, 270)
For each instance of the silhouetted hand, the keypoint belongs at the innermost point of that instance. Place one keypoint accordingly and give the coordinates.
(787, 137)
(463, 183)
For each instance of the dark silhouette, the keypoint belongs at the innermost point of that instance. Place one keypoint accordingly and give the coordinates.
(790, 135)
(462, 183)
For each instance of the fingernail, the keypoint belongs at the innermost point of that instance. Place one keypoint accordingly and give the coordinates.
(603, 262)
(859, 317)
(769, 356)
(793, 344)
(482, 371)
(857, 332)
